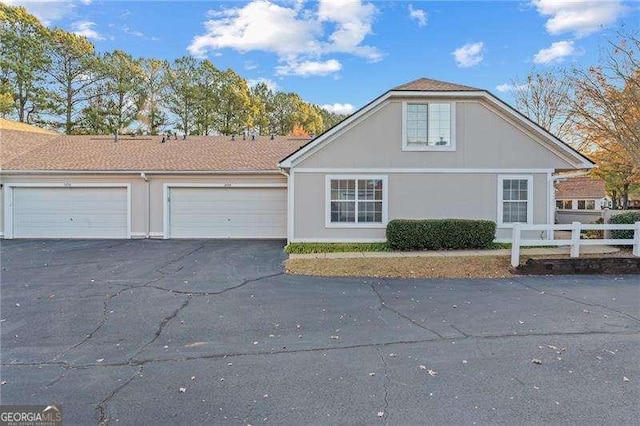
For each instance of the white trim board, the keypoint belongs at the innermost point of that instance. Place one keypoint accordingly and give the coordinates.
(291, 179)
(137, 172)
(8, 199)
(338, 240)
(420, 170)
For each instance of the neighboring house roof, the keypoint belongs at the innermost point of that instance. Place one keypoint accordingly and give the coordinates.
(428, 86)
(580, 187)
(18, 138)
(147, 153)
(23, 127)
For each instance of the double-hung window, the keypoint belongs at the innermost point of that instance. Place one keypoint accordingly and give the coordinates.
(515, 198)
(356, 201)
(428, 126)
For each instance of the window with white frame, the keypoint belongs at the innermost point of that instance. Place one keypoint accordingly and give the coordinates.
(428, 126)
(564, 204)
(356, 201)
(586, 204)
(515, 195)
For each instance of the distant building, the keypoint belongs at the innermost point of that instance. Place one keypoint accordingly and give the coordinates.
(581, 193)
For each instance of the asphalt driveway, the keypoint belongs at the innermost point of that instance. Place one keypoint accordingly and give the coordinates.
(185, 332)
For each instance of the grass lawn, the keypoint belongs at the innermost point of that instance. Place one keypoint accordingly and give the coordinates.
(307, 248)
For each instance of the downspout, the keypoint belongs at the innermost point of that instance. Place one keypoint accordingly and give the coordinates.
(143, 175)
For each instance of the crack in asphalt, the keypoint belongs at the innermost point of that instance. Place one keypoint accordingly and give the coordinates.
(161, 326)
(109, 297)
(101, 408)
(214, 293)
(100, 324)
(561, 296)
(384, 305)
(385, 384)
(320, 349)
(458, 330)
(65, 369)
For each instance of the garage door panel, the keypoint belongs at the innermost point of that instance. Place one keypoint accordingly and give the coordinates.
(77, 212)
(227, 213)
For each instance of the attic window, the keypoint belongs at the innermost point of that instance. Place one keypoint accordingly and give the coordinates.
(428, 126)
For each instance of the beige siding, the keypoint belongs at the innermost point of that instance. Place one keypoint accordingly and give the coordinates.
(146, 207)
(412, 196)
(484, 139)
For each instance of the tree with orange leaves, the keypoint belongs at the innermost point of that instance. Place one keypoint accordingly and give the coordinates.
(607, 104)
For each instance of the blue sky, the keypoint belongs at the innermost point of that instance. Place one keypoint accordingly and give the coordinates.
(344, 53)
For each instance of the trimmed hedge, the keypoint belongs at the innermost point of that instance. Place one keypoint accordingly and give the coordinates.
(628, 217)
(438, 234)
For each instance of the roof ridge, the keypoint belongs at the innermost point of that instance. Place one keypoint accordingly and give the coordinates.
(430, 84)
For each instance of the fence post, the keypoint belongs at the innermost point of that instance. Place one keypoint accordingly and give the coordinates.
(515, 245)
(606, 217)
(575, 239)
(636, 240)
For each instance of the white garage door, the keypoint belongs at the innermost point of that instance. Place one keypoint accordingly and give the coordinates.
(227, 212)
(69, 212)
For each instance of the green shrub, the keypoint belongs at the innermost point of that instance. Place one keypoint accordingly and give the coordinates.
(438, 234)
(302, 248)
(628, 217)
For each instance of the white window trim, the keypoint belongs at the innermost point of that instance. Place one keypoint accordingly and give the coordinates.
(425, 147)
(501, 179)
(327, 202)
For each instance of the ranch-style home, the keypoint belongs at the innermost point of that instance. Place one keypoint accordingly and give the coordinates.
(425, 149)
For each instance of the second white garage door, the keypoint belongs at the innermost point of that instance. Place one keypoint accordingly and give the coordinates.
(227, 212)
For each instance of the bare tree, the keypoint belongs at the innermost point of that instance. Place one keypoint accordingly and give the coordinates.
(546, 98)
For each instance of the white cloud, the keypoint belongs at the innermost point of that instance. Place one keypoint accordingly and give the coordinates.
(555, 53)
(308, 68)
(353, 21)
(85, 29)
(260, 25)
(419, 15)
(292, 32)
(271, 85)
(338, 108)
(580, 17)
(468, 55)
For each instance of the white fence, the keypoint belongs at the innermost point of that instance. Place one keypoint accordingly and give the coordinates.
(575, 242)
